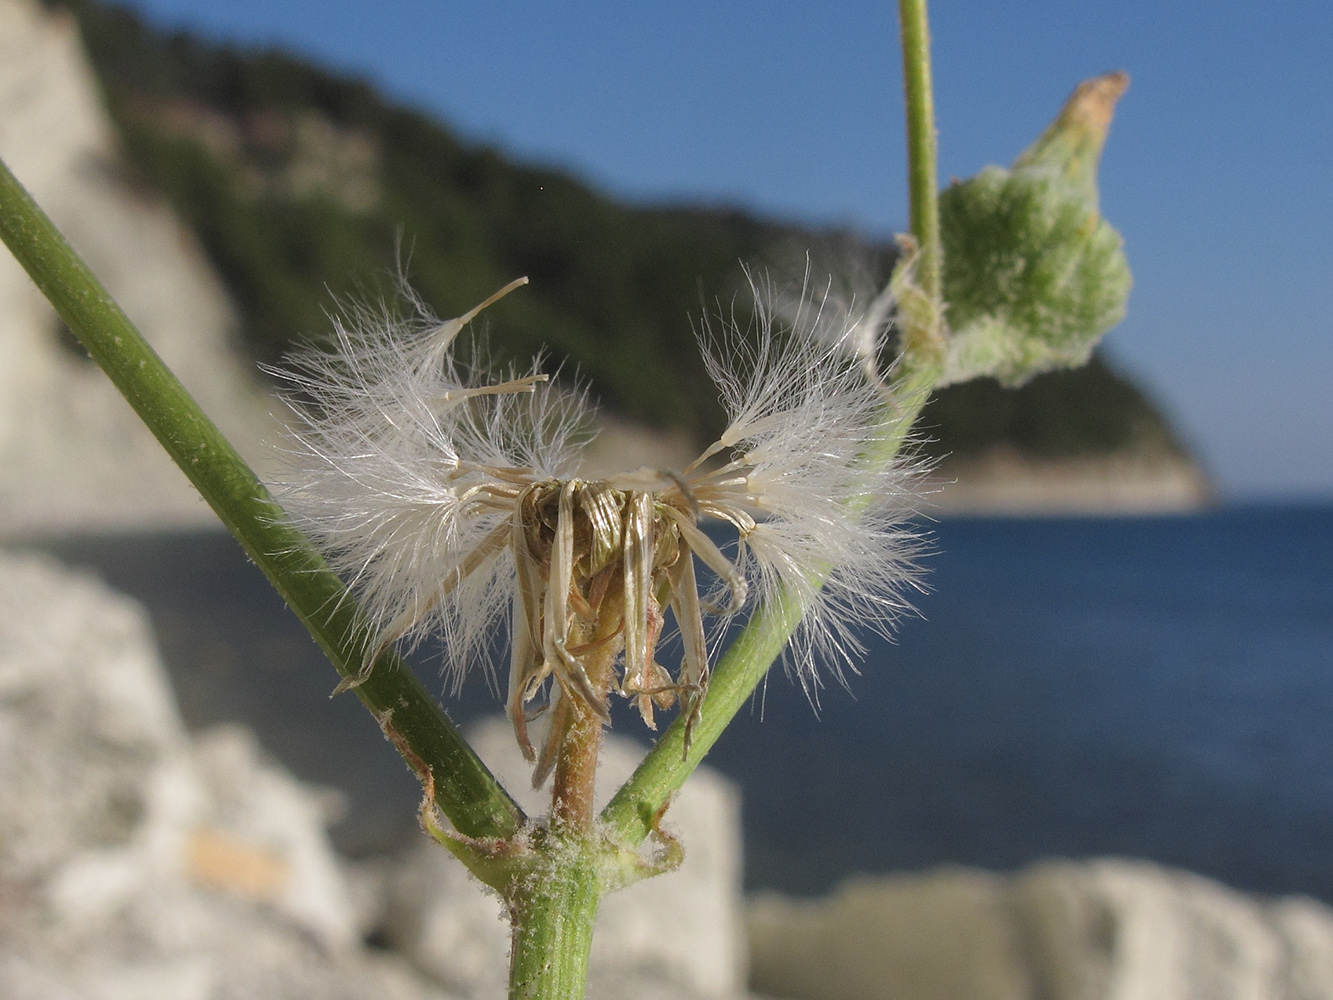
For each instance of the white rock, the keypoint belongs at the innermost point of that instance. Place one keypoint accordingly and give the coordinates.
(679, 934)
(259, 807)
(446, 923)
(1097, 930)
(74, 453)
(1129, 930)
(1307, 929)
(1004, 481)
(134, 861)
(938, 936)
(86, 717)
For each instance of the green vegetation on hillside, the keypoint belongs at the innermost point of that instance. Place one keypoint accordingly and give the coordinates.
(1086, 410)
(302, 185)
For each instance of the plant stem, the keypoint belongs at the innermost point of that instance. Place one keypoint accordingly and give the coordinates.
(553, 914)
(631, 813)
(922, 175)
(464, 789)
(574, 782)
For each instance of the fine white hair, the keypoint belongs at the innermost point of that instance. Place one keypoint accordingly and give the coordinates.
(407, 469)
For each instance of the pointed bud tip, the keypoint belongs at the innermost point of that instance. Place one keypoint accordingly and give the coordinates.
(1072, 144)
(1092, 104)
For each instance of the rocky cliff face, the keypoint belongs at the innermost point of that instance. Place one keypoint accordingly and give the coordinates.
(73, 454)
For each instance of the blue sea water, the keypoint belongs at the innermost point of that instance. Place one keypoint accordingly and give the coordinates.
(1150, 687)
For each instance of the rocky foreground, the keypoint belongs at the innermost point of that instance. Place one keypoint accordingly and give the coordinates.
(138, 860)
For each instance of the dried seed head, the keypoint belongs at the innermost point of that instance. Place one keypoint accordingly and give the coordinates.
(445, 498)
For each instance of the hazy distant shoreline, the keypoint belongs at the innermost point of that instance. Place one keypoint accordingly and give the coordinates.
(1007, 483)
(1000, 482)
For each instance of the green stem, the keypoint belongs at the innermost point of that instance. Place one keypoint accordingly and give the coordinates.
(553, 916)
(633, 810)
(631, 813)
(464, 789)
(922, 174)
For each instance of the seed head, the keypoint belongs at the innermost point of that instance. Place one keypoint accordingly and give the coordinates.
(445, 496)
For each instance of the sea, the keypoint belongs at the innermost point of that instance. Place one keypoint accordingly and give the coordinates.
(1148, 687)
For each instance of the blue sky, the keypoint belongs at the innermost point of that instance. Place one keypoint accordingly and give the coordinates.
(1217, 171)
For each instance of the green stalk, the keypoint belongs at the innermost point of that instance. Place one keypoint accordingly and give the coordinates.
(634, 809)
(922, 173)
(554, 894)
(464, 789)
(632, 812)
(553, 914)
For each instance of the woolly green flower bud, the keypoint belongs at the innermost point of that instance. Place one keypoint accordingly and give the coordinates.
(1033, 275)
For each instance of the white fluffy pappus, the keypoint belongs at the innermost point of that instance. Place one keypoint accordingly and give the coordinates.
(806, 407)
(444, 494)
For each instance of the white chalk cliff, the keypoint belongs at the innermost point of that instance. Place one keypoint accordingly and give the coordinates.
(73, 455)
